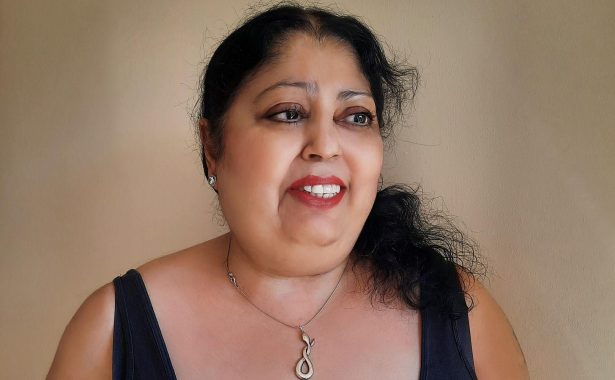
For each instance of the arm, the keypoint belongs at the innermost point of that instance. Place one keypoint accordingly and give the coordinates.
(496, 351)
(85, 349)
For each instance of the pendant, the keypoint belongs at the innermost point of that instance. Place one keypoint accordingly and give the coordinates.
(305, 369)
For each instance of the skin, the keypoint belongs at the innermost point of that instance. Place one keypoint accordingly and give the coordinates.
(282, 249)
(286, 256)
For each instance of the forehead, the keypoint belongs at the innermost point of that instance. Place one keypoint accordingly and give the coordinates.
(326, 62)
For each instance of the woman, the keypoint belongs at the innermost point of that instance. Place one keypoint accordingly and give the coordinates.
(322, 275)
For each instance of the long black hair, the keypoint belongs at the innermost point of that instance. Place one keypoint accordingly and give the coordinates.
(403, 245)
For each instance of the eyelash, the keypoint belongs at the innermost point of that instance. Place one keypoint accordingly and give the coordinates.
(370, 118)
(297, 109)
(300, 112)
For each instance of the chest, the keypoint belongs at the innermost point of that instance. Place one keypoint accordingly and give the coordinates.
(354, 341)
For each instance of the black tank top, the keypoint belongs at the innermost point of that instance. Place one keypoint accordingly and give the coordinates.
(139, 351)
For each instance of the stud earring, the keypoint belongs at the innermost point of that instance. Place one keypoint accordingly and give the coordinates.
(211, 180)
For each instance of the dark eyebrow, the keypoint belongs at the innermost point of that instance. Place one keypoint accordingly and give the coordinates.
(310, 88)
(347, 94)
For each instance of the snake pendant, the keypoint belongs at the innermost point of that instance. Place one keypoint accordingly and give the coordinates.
(305, 369)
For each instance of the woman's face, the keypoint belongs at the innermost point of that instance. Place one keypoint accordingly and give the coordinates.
(301, 123)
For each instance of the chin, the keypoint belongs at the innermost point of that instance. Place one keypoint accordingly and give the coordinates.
(314, 235)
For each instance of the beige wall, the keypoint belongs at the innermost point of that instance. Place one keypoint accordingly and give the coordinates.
(513, 127)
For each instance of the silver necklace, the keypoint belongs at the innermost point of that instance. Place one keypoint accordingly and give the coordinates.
(304, 368)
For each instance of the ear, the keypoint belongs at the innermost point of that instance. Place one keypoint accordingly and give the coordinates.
(207, 146)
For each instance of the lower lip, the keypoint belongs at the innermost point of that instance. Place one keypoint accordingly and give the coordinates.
(312, 201)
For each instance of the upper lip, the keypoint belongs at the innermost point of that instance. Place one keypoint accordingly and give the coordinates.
(312, 180)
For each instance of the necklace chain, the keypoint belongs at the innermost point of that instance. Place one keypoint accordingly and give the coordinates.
(233, 281)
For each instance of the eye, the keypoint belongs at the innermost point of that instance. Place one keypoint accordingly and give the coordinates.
(290, 114)
(362, 119)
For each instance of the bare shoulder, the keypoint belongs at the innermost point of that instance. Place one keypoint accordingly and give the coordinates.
(196, 263)
(85, 349)
(496, 350)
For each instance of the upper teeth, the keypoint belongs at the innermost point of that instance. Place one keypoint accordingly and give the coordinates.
(322, 191)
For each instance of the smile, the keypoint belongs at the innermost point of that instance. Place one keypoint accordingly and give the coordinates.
(318, 192)
(322, 191)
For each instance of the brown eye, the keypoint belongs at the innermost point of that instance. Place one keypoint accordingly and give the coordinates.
(362, 119)
(290, 115)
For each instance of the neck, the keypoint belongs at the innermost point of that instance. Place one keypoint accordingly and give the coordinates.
(293, 300)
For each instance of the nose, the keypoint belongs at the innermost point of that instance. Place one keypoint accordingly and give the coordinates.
(322, 141)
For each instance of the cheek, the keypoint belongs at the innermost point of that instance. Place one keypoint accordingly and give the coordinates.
(365, 156)
(256, 164)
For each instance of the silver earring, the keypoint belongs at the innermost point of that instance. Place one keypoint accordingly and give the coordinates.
(211, 180)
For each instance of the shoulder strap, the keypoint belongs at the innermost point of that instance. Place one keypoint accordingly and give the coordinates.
(446, 347)
(139, 351)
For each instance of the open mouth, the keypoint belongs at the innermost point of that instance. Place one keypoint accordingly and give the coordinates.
(320, 192)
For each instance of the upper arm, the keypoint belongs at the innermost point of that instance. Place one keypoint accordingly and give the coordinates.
(85, 349)
(497, 353)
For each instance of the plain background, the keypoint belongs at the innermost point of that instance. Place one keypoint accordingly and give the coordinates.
(512, 128)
